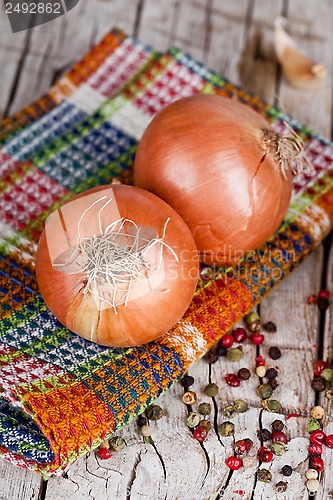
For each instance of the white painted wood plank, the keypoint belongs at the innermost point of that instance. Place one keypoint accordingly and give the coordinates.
(18, 484)
(157, 23)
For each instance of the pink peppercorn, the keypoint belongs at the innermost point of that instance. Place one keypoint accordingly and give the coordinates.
(232, 380)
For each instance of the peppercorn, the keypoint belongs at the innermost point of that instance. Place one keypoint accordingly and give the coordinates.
(264, 435)
(273, 383)
(261, 371)
(329, 394)
(274, 352)
(264, 476)
(324, 294)
(235, 353)
(318, 384)
(272, 405)
(117, 443)
(322, 303)
(317, 436)
(270, 327)
(315, 449)
(264, 391)
(249, 444)
(200, 433)
(227, 341)
(142, 421)
(260, 361)
(211, 390)
(313, 425)
(281, 486)
(254, 327)
(212, 357)
(277, 426)
(146, 431)
(257, 338)
(240, 406)
(279, 436)
(154, 412)
(252, 317)
(193, 419)
(318, 367)
(221, 350)
(329, 441)
(317, 412)
(103, 453)
(232, 379)
(239, 447)
(278, 448)
(239, 334)
(189, 398)
(312, 485)
(227, 429)
(312, 299)
(327, 374)
(286, 470)
(234, 463)
(311, 474)
(206, 424)
(271, 373)
(205, 409)
(228, 410)
(317, 463)
(264, 454)
(244, 374)
(248, 461)
(187, 381)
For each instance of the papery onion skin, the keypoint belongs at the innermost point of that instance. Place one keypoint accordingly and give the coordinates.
(205, 157)
(142, 319)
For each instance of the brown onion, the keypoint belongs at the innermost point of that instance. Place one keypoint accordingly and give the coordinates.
(220, 165)
(117, 265)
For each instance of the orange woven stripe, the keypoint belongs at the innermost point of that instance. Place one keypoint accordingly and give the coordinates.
(73, 418)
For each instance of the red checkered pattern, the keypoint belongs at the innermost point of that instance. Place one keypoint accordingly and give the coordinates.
(34, 194)
(174, 83)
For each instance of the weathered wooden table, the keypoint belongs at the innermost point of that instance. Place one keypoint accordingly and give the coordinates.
(235, 39)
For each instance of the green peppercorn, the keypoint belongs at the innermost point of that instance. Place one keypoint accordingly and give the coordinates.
(154, 412)
(228, 410)
(278, 448)
(313, 425)
(205, 424)
(211, 390)
(193, 419)
(240, 406)
(235, 353)
(327, 374)
(227, 429)
(264, 476)
(252, 317)
(264, 391)
(117, 443)
(244, 374)
(205, 409)
(272, 405)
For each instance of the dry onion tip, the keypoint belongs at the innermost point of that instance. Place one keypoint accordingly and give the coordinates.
(117, 265)
(222, 167)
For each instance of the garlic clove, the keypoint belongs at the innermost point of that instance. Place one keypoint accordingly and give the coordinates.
(300, 70)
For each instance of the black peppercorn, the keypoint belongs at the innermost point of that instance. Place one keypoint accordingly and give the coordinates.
(274, 352)
(287, 470)
(271, 373)
(322, 303)
(264, 435)
(277, 426)
(244, 374)
(187, 381)
(221, 350)
(281, 486)
(273, 383)
(142, 421)
(270, 327)
(212, 357)
(318, 384)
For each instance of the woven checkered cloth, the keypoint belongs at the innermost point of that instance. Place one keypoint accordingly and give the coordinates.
(61, 395)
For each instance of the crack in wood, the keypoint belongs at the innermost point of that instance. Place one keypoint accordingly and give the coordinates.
(216, 411)
(159, 457)
(133, 475)
(138, 16)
